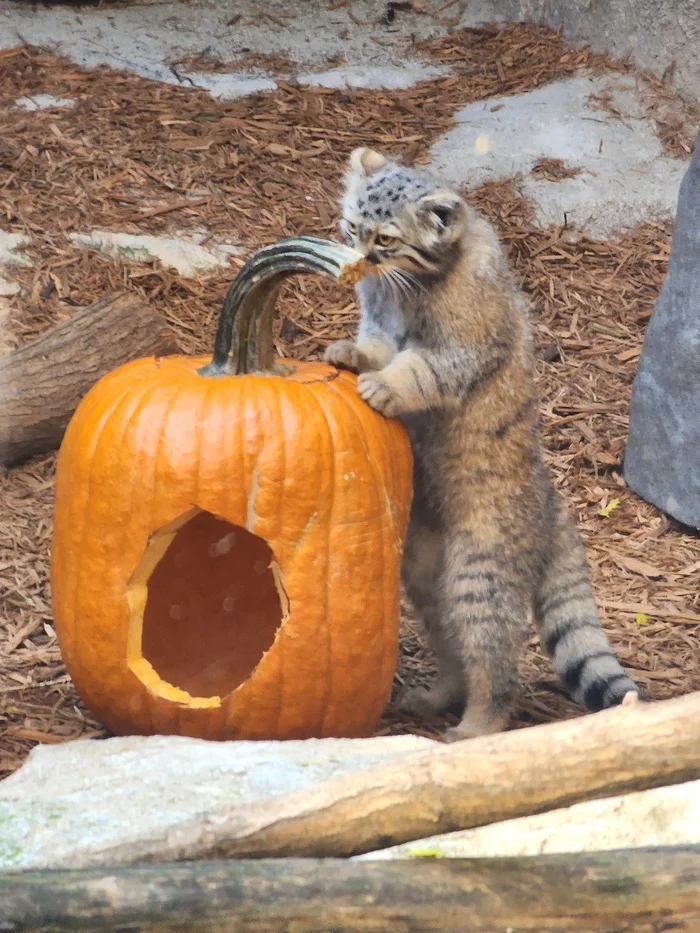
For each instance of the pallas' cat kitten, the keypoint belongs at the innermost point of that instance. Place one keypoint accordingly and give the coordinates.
(444, 342)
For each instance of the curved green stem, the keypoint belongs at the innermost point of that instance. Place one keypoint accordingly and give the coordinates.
(244, 341)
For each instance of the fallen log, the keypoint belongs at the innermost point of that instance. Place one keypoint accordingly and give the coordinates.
(471, 783)
(42, 383)
(646, 890)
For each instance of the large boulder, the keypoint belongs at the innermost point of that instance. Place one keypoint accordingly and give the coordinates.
(115, 801)
(662, 459)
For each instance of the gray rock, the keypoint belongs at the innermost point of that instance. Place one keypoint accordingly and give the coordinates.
(186, 256)
(662, 459)
(95, 802)
(508, 135)
(43, 102)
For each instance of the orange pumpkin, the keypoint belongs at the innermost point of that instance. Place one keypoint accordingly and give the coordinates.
(227, 537)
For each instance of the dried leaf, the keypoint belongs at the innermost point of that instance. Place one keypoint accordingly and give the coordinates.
(610, 507)
(427, 852)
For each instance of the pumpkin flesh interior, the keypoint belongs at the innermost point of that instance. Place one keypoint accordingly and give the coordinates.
(206, 604)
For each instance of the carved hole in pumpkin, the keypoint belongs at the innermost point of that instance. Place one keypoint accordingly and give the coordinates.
(212, 605)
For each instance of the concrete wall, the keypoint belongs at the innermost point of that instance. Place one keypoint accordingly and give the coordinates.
(657, 32)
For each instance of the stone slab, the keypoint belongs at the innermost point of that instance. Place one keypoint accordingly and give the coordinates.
(185, 256)
(626, 176)
(71, 805)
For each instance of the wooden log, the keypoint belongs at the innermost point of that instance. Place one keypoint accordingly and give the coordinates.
(639, 889)
(42, 383)
(450, 787)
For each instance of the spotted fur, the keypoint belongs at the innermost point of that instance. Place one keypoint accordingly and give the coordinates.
(444, 342)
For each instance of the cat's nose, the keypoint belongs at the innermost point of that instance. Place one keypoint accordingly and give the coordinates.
(373, 258)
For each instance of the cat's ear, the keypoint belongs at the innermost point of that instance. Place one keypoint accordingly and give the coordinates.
(442, 207)
(366, 162)
(443, 211)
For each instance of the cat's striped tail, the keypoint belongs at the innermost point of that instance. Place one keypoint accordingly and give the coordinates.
(569, 626)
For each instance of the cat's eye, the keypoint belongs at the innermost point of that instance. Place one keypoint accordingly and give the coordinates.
(385, 240)
(352, 229)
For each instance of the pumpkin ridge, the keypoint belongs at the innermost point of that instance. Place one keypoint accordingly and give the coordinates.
(390, 600)
(235, 471)
(381, 490)
(227, 479)
(280, 510)
(298, 401)
(150, 698)
(247, 521)
(389, 659)
(251, 494)
(76, 514)
(328, 673)
(350, 403)
(399, 477)
(201, 425)
(300, 392)
(241, 446)
(205, 399)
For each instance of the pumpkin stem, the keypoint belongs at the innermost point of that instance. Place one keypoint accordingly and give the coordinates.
(244, 341)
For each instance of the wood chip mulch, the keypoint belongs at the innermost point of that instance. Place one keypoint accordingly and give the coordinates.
(554, 169)
(141, 157)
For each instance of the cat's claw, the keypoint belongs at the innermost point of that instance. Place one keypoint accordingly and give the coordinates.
(346, 354)
(377, 392)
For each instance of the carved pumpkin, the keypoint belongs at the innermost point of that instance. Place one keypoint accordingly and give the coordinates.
(227, 537)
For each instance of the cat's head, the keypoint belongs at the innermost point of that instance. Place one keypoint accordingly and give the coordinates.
(399, 216)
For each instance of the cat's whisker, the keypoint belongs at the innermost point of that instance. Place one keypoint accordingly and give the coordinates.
(411, 282)
(407, 285)
(415, 281)
(401, 287)
(385, 277)
(404, 289)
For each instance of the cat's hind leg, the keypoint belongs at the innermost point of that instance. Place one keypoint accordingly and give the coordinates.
(485, 603)
(422, 569)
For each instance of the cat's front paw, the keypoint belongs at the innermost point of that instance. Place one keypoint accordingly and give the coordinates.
(346, 354)
(379, 394)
